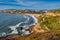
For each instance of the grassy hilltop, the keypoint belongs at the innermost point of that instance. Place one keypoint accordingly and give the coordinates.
(54, 10)
(49, 21)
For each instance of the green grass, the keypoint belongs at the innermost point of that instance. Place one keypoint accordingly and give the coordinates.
(54, 10)
(43, 36)
(52, 22)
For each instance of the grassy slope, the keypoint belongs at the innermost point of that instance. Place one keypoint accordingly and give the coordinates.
(38, 36)
(52, 23)
(54, 10)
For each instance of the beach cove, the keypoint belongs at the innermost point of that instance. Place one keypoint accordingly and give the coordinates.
(15, 23)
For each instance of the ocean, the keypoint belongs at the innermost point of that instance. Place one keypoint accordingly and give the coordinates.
(15, 23)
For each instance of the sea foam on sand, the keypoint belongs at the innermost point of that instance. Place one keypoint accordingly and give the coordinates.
(26, 24)
(23, 30)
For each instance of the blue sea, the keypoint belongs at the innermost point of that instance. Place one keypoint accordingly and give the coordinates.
(15, 24)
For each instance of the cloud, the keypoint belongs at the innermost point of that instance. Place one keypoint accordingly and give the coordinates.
(44, 5)
(7, 0)
(48, 5)
(25, 3)
(39, 4)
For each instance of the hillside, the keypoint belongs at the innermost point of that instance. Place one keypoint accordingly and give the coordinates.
(47, 28)
(54, 10)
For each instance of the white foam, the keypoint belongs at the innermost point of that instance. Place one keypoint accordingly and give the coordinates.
(3, 34)
(25, 32)
(14, 29)
(26, 19)
(35, 19)
(25, 26)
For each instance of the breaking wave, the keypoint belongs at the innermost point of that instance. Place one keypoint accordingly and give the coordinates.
(15, 23)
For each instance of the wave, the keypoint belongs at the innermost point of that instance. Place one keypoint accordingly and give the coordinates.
(20, 26)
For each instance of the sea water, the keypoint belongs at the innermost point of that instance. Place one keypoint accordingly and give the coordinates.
(15, 23)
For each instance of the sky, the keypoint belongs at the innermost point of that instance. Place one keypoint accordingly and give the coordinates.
(29, 4)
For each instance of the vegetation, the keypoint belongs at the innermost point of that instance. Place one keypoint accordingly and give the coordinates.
(51, 22)
(22, 11)
(30, 11)
(37, 36)
(54, 11)
(44, 36)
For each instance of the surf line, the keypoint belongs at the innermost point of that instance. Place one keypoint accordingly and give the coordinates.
(17, 25)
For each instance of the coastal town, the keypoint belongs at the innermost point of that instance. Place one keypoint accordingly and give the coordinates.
(23, 11)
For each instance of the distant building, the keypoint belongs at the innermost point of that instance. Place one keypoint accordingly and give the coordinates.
(45, 11)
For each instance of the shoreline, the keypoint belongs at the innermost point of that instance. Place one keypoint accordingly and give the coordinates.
(31, 24)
